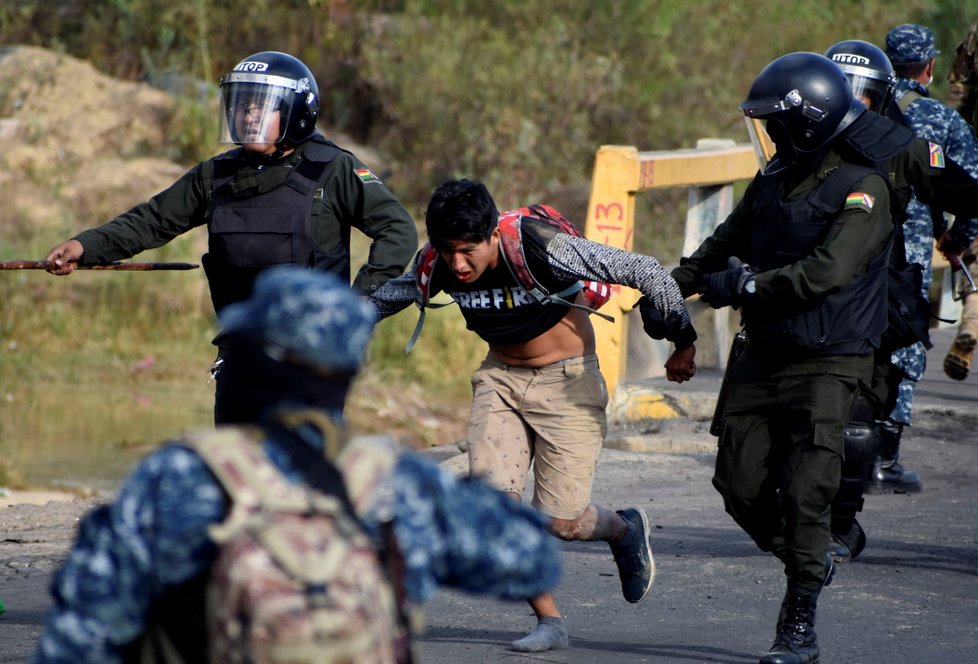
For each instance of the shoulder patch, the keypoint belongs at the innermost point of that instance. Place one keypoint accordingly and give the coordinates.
(366, 175)
(858, 199)
(936, 155)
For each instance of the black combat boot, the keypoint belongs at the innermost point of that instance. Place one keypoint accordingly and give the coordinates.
(888, 476)
(796, 642)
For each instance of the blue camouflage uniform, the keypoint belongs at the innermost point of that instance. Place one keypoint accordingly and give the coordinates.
(940, 124)
(154, 535)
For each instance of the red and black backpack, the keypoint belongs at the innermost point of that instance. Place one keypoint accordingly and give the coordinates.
(511, 247)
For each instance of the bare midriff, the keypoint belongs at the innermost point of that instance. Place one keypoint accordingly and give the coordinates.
(573, 336)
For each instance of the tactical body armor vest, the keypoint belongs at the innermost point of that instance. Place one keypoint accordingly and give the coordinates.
(267, 219)
(847, 322)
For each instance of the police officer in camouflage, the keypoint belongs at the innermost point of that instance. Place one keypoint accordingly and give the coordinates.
(963, 97)
(285, 195)
(804, 255)
(911, 50)
(919, 169)
(141, 564)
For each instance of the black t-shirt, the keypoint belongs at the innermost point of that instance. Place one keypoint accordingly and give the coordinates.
(502, 313)
(496, 308)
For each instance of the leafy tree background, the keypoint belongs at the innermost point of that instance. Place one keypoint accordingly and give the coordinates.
(518, 93)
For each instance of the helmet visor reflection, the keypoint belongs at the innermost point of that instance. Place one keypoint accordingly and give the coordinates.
(870, 91)
(764, 148)
(253, 113)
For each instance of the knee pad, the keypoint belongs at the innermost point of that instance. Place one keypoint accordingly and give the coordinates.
(863, 411)
(862, 443)
(848, 502)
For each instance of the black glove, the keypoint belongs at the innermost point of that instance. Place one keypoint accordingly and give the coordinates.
(658, 326)
(721, 289)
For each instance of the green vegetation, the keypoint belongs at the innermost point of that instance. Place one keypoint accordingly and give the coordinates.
(519, 94)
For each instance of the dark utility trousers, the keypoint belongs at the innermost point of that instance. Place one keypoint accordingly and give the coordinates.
(780, 454)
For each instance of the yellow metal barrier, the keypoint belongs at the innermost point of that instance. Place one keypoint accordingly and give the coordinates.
(622, 171)
(619, 173)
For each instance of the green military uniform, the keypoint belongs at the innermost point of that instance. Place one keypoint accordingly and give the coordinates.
(263, 211)
(781, 443)
(922, 170)
(351, 197)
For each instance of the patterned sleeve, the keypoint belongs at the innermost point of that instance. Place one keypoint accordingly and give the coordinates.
(153, 536)
(463, 533)
(395, 295)
(577, 258)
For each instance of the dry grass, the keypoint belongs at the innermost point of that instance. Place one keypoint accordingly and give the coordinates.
(97, 367)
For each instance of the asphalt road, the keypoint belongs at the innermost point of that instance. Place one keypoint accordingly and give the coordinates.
(909, 598)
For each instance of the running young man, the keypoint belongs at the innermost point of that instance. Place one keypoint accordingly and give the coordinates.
(539, 395)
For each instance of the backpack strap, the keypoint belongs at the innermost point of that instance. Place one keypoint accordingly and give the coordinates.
(366, 463)
(510, 225)
(511, 245)
(908, 98)
(253, 483)
(424, 267)
(316, 467)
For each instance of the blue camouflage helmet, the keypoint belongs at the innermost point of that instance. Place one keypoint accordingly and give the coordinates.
(304, 317)
(910, 44)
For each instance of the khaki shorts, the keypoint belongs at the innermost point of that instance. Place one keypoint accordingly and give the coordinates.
(553, 416)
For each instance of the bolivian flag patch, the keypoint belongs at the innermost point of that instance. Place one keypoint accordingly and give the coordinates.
(936, 155)
(857, 199)
(366, 175)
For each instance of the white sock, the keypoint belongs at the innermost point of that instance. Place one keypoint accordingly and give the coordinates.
(549, 634)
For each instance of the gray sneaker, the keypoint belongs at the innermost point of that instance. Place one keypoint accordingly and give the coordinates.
(633, 555)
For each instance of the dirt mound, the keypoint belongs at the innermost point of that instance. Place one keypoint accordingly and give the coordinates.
(77, 146)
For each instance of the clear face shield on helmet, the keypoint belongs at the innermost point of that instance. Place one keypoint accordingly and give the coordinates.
(763, 145)
(869, 89)
(766, 126)
(256, 108)
(756, 113)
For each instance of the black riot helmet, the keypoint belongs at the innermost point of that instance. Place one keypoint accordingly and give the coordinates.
(869, 71)
(269, 97)
(803, 101)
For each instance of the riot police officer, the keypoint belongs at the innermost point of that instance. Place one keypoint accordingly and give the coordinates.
(804, 255)
(285, 195)
(920, 170)
(912, 52)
